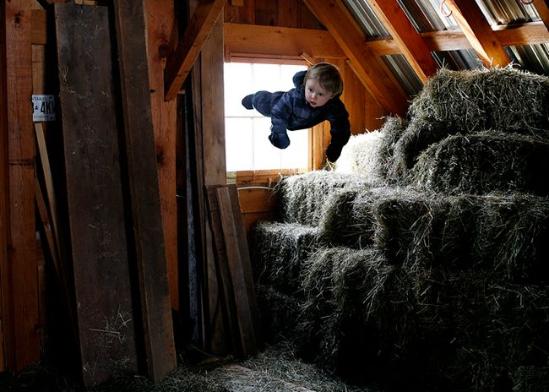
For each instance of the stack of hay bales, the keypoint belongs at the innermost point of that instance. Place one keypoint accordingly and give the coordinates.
(428, 269)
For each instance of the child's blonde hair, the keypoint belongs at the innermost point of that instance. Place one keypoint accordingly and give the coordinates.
(328, 77)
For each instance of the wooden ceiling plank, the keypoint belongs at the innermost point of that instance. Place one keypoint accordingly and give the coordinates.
(478, 32)
(181, 61)
(250, 39)
(369, 68)
(543, 10)
(409, 41)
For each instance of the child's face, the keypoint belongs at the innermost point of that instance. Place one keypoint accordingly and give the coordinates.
(315, 94)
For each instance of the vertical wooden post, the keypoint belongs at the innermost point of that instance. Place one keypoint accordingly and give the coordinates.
(160, 24)
(213, 147)
(4, 202)
(22, 271)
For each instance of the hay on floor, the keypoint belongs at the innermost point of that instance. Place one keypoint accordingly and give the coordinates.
(302, 197)
(483, 163)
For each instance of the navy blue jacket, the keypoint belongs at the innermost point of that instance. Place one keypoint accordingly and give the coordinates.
(290, 111)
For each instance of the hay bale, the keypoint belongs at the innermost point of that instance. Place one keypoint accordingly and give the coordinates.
(360, 156)
(468, 102)
(498, 328)
(500, 98)
(531, 379)
(302, 197)
(418, 135)
(278, 314)
(511, 235)
(279, 251)
(348, 220)
(482, 163)
(407, 226)
(341, 286)
(392, 130)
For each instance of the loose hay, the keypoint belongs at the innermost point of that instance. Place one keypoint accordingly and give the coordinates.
(279, 251)
(531, 379)
(483, 163)
(280, 362)
(302, 197)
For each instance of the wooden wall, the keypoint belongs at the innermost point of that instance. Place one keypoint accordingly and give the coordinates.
(285, 13)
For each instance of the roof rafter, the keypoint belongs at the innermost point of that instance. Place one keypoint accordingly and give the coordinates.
(543, 10)
(406, 37)
(369, 68)
(478, 32)
(181, 61)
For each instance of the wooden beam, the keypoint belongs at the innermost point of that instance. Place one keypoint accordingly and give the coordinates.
(181, 61)
(23, 267)
(543, 10)
(371, 71)
(5, 322)
(406, 37)
(248, 40)
(527, 34)
(160, 24)
(144, 192)
(478, 32)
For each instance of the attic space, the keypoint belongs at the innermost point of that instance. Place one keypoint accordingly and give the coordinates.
(274, 195)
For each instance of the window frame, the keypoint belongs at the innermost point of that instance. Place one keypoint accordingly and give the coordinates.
(319, 136)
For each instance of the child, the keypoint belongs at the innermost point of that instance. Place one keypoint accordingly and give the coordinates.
(314, 99)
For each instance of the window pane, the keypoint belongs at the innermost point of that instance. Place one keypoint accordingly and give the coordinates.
(239, 143)
(237, 85)
(247, 131)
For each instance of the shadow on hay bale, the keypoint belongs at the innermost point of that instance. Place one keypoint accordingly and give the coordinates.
(340, 286)
(278, 314)
(483, 163)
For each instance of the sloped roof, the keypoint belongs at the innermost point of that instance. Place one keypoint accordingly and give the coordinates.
(435, 16)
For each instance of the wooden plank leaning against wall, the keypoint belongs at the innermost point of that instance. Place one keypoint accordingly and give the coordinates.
(18, 266)
(3, 192)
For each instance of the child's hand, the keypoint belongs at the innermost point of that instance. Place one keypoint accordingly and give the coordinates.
(332, 153)
(279, 140)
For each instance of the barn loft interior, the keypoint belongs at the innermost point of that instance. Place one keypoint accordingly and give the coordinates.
(170, 222)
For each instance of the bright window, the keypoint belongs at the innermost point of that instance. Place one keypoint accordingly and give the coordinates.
(246, 131)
